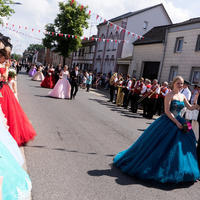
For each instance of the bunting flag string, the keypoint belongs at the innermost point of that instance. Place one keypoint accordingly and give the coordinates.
(19, 28)
(100, 19)
(21, 33)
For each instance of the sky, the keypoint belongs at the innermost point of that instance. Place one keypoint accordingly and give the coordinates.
(35, 14)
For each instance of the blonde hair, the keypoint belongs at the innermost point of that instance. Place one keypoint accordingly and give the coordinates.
(176, 79)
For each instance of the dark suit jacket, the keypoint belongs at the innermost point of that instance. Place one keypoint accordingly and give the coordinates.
(74, 79)
(198, 102)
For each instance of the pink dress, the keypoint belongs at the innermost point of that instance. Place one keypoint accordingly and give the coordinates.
(62, 89)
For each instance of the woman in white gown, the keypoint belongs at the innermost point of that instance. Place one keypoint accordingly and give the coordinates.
(38, 75)
(62, 88)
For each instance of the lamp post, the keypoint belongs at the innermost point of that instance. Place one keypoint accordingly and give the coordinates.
(14, 3)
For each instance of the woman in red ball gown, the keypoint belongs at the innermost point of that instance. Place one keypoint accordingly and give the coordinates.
(49, 81)
(19, 124)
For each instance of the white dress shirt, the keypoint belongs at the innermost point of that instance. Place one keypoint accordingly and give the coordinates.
(187, 93)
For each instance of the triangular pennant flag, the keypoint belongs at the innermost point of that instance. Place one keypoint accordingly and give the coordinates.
(19, 27)
(129, 33)
(25, 28)
(81, 8)
(133, 35)
(111, 24)
(99, 39)
(72, 1)
(6, 24)
(124, 30)
(111, 40)
(97, 17)
(32, 29)
(84, 38)
(52, 33)
(68, 36)
(76, 36)
(117, 27)
(89, 12)
(107, 40)
(104, 40)
(39, 31)
(105, 21)
(96, 39)
(72, 36)
(13, 25)
(108, 23)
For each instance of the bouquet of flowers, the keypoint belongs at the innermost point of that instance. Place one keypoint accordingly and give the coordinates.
(186, 127)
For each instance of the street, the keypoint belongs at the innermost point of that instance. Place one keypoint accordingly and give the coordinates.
(71, 157)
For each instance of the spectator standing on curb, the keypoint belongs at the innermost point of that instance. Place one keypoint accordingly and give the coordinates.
(89, 81)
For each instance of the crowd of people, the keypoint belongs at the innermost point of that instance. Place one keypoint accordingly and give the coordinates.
(169, 139)
(16, 130)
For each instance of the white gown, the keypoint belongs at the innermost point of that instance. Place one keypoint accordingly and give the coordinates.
(7, 140)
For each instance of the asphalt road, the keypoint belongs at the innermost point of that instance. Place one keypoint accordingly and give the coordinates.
(71, 157)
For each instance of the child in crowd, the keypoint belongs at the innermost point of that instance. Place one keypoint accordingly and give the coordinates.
(12, 82)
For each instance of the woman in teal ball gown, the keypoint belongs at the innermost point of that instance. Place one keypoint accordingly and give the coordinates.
(164, 152)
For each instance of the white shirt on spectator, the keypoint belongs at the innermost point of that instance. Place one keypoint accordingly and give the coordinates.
(187, 93)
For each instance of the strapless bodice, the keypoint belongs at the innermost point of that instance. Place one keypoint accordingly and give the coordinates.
(176, 107)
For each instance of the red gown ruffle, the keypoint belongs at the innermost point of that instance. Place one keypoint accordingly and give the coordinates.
(49, 81)
(19, 124)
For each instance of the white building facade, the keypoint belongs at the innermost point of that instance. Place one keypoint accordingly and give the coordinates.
(112, 56)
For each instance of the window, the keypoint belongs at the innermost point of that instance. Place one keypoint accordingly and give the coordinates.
(109, 44)
(195, 75)
(101, 43)
(83, 51)
(173, 73)
(115, 42)
(198, 44)
(145, 25)
(79, 52)
(178, 45)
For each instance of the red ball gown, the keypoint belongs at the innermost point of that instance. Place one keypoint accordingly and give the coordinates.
(49, 81)
(19, 124)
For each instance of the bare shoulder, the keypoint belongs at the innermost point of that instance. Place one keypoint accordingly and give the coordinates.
(169, 95)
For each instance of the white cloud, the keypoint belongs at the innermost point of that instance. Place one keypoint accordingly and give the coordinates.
(36, 14)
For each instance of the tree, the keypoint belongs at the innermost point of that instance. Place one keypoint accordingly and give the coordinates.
(16, 57)
(71, 20)
(5, 9)
(34, 47)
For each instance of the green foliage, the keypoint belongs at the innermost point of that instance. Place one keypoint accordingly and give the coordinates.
(5, 9)
(16, 56)
(11, 74)
(71, 19)
(34, 47)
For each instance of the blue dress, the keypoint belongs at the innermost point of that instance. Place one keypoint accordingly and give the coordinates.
(163, 152)
(16, 182)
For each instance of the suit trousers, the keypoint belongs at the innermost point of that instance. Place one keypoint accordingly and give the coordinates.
(74, 86)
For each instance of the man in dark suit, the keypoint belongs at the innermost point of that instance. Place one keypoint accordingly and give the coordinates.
(198, 119)
(74, 80)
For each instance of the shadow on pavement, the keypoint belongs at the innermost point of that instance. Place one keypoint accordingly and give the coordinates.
(115, 108)
(123, 179)
(66, 150)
